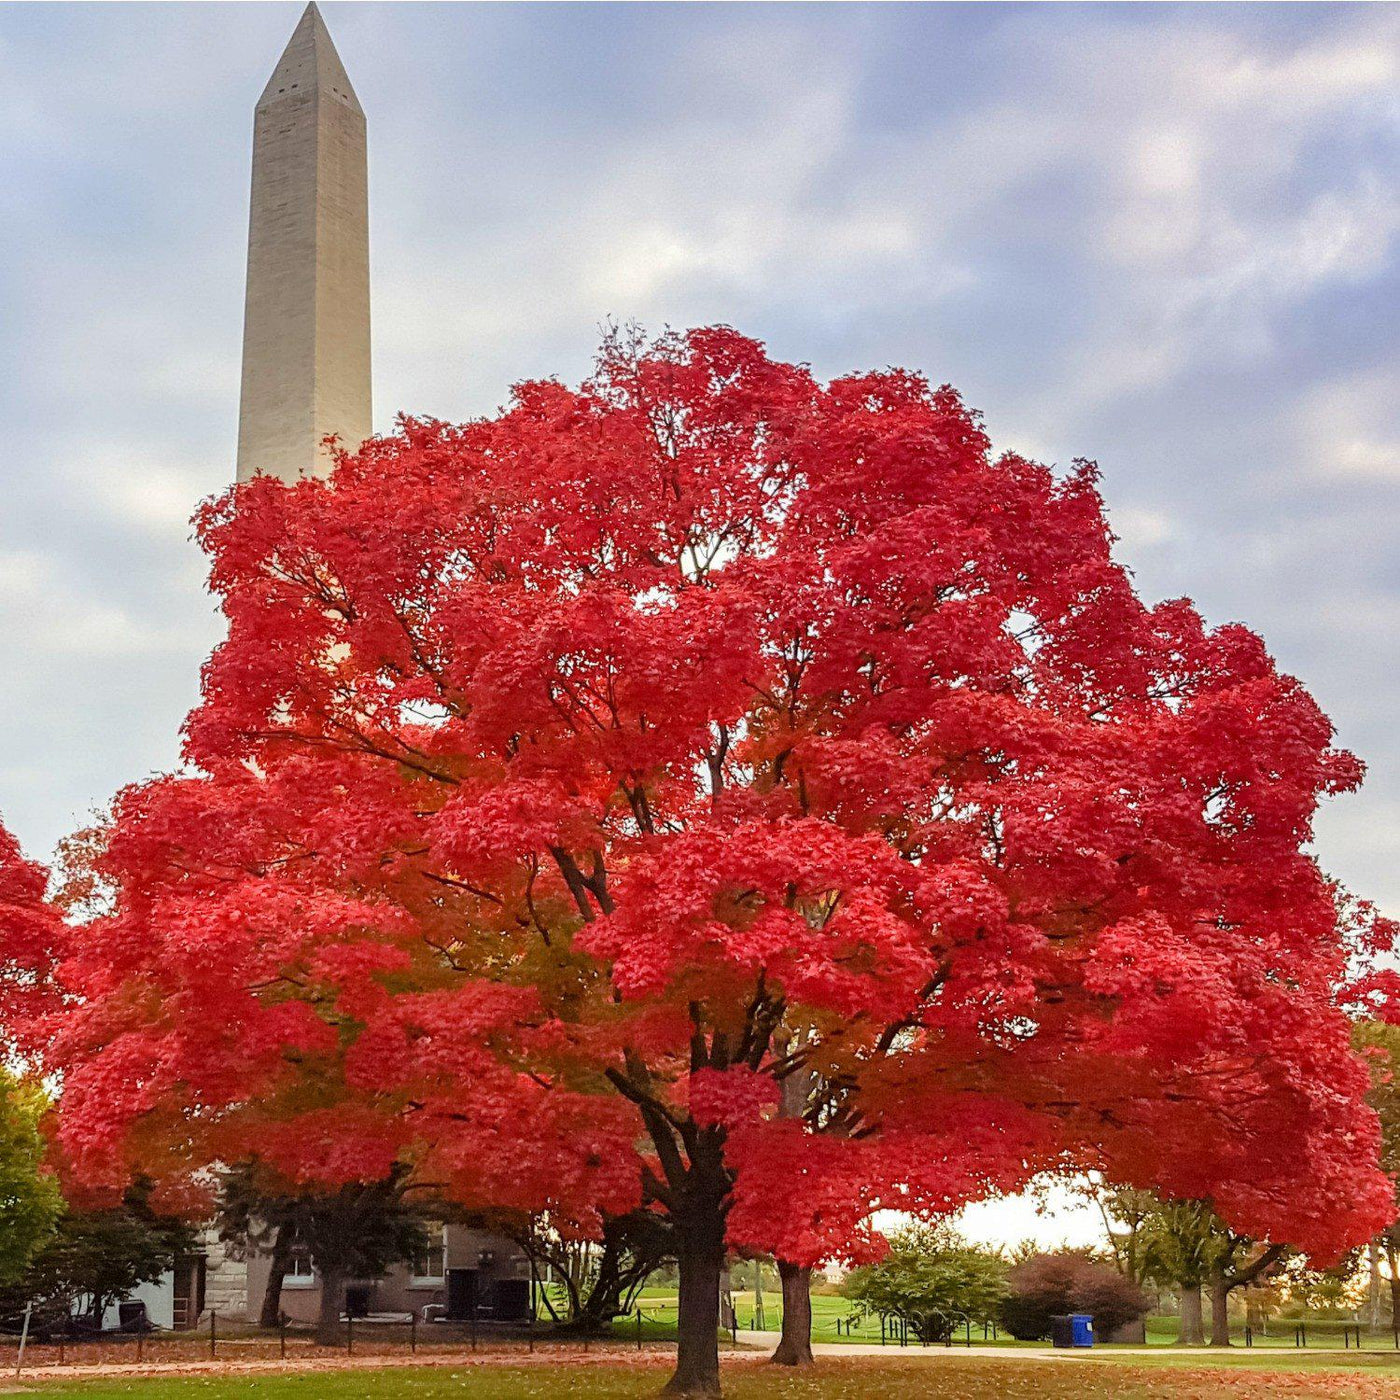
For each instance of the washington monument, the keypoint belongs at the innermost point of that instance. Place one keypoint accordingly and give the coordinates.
(306, 371)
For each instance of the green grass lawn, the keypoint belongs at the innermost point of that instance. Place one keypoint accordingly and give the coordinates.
(948, 1378)
(660, 1303)
(659, 1311)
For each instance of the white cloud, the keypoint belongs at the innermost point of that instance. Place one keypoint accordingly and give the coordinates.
(47, 614)
(1140, 528)
(1351, 427)
(152, 489)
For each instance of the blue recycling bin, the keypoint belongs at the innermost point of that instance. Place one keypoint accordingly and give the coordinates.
(1072, 1330)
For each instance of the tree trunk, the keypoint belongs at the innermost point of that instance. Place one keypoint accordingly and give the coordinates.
(1373, 1286)
(701, 1257)
(271, 1314)
(328, 1329)
(1192, 1328)
(728, 1315)
(1255, 1317)
(1392, 1257)
(1219, 1310)
(795, 1347)
(760, 1322)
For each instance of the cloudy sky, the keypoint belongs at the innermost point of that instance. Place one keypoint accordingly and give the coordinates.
(1167, 238)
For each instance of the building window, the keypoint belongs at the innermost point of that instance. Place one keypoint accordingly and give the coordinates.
(428, 1268)
(299, 1273)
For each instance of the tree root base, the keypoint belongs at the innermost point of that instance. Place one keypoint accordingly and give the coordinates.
(787, 1356)
(691, 1389)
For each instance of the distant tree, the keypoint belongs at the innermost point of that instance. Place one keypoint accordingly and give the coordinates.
(1048, 1285)
(29, 1196)
(1379, 1044)
(1178, 1240)
(94, 1258)
(1337, 1290)
(1188, 1246)
(1238, 1262)
(931, 1279)
(600, 1280)
(1125, 1211)
(358, 1231)
(254, 1216)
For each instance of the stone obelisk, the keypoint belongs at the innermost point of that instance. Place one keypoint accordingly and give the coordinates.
(306, 371)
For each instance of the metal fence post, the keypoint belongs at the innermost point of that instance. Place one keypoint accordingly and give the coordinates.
(639, 1329)
(213, 1334)
(349, 1330)
(140, 1346)
(413, 1333)
(23, 1337)
(282, 1334)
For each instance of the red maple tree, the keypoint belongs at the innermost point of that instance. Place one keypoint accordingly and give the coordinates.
(574, 779)
(31, 936)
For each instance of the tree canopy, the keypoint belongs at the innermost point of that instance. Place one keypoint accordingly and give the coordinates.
(94, 1258)
(572, 777)
(29, 1195)
(933, 1280)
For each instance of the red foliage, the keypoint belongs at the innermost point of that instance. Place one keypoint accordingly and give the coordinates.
(31, 934)
(557, 762)
(1049, 1285)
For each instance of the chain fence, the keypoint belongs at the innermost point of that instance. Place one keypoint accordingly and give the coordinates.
(647, 1328)
(219, 1340)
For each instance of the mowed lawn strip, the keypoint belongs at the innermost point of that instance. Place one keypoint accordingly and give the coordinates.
(659, 1311)
(835, 1379)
